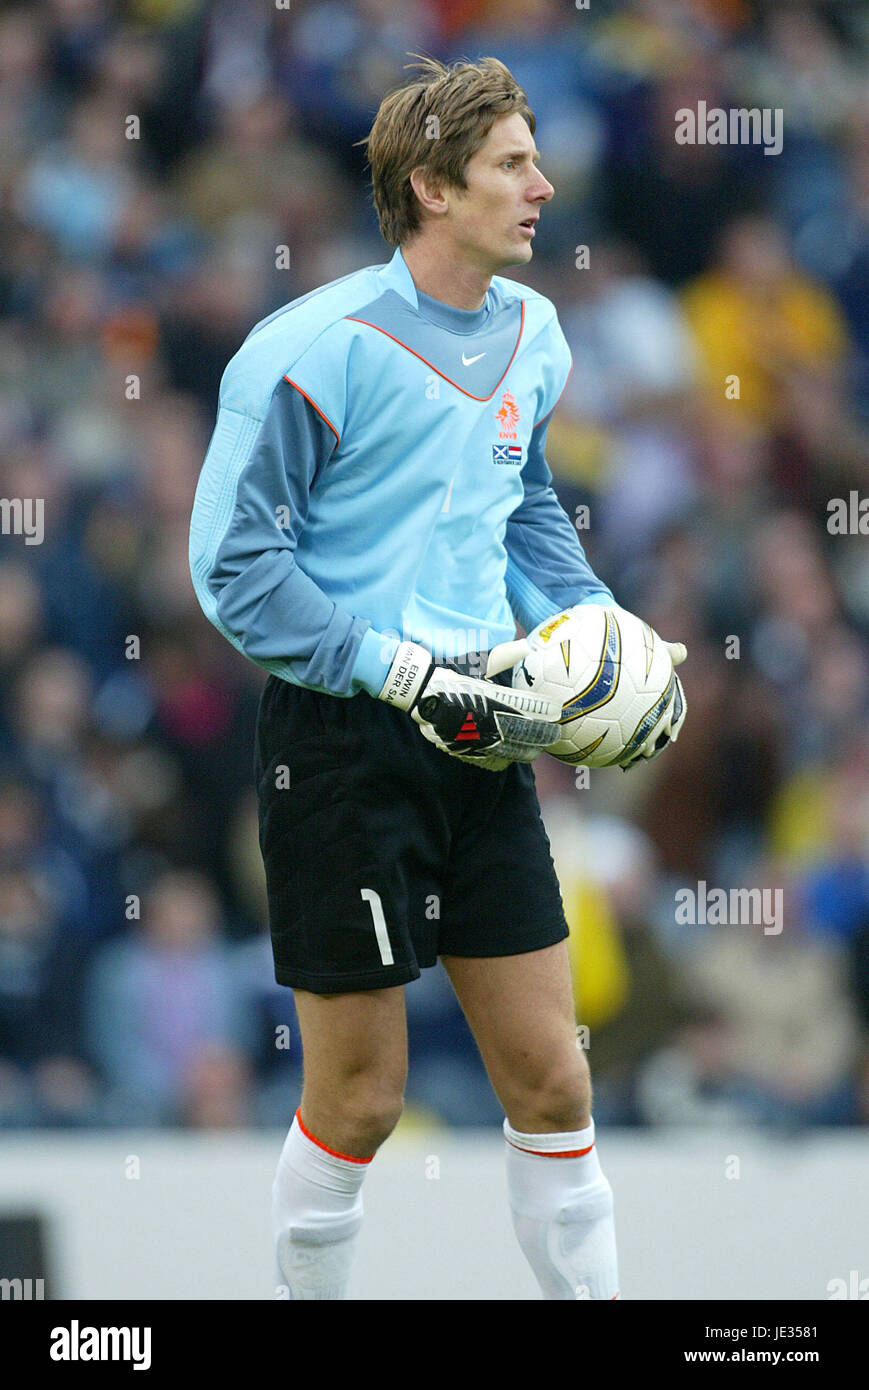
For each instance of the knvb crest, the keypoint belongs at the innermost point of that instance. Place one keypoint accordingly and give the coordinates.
(507, 416)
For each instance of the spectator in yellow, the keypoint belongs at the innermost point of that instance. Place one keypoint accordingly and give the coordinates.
(762, 326)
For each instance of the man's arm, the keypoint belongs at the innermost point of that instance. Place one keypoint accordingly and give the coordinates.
(546, 567)
(547, 571)
(251, 504)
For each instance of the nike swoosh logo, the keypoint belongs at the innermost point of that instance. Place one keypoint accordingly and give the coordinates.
(466, 361)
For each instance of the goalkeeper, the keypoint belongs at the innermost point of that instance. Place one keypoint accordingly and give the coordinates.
(374, 514)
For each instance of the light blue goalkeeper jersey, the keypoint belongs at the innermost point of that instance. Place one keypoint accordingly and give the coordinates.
(377, 473)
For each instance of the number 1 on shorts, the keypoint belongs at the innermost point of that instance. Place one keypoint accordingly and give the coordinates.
(373, 899)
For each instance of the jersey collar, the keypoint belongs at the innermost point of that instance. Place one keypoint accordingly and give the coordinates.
(397, 276)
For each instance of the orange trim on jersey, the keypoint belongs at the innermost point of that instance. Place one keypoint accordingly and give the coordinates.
(349, 1158)
(560, 394)
(315, 405)
(437, 369)
(552, 1153)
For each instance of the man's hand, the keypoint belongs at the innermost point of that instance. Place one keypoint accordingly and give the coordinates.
(667, 731)
(510, 654)
(476, 720)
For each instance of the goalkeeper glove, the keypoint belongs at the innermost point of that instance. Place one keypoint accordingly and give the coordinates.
(666, 731)
(474, 720)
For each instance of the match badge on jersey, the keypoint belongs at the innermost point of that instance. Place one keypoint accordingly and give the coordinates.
(507, 453)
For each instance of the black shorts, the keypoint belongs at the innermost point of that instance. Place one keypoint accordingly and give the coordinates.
(381, 852)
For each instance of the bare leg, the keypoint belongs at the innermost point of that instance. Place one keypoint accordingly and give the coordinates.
(355, 1064)
(354, 1049)
(521, 1012)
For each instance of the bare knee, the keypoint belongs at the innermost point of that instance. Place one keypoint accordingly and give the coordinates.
(371, 1112)
(356, 1115)
(553, 1097)
(354, 1063)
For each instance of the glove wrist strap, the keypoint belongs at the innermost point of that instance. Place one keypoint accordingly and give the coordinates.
(408, 674)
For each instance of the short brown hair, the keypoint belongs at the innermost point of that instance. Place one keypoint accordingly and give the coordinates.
(465, 99)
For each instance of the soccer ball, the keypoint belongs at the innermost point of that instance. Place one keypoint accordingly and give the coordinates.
(611, 675)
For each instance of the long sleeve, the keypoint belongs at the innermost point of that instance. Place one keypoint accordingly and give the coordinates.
(251, 504)
(546, 567)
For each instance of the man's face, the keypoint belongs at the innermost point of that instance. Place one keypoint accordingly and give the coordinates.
(505, 190)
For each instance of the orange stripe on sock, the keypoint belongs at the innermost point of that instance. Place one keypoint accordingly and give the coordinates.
(551, 1153)
(349, 1158)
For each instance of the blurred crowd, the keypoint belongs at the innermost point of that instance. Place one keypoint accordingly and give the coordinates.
(154, 158)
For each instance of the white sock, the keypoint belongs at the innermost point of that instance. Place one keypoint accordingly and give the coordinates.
(316, 1216)
(562, 1209)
